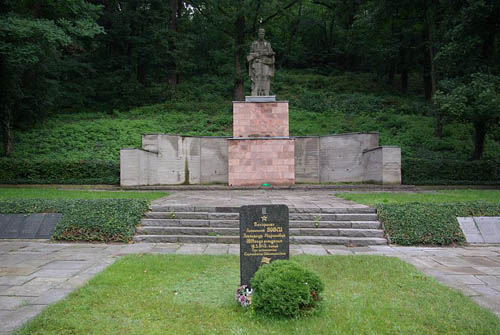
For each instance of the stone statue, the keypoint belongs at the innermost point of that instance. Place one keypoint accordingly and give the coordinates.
(261, 65)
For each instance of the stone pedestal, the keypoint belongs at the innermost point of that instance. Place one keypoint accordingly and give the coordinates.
(262, 160)
(260, 119)
(261, 151)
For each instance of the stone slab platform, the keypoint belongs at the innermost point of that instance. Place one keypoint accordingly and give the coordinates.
(36, 226)
(480, 229)
(316, 200)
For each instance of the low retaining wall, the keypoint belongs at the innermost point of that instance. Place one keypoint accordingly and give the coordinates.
(173, 160)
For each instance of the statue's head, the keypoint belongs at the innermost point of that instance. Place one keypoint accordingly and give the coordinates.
(262, 33)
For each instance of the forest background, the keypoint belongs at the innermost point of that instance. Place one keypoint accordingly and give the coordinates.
(81, 79)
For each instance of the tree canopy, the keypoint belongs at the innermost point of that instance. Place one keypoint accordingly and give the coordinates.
(110, 53)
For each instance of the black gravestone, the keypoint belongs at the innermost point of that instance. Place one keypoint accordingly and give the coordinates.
(24, 226)
(264, 237)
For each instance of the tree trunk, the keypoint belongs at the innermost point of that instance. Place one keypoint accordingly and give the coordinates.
(7, 133)
(430, 79)
(480, 129)
(403, 55)
(404, 80)
(438, 131)
(391, 72)
(141, 72)
(293, 28)
(239, 41)
(172, 26)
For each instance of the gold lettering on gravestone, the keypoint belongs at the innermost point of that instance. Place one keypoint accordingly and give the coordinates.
(264, 239)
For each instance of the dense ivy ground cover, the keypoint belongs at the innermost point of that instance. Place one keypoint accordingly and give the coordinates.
(430, 223)
(106, 220)
(82, 147)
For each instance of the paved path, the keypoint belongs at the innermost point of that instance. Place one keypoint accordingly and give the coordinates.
(226, 198)
(34, 274)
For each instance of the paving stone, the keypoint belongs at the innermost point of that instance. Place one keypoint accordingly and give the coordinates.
(15, 319)
(486, 291)
(68, 265)
(464, 279)
(14, 271)
(34, 287)
(314, 250)
(50, 273)
(191, 249)
(489, 270)
(216, 249)
(481, 261)
(11, 303)
(14, 280)
(234, 249)
(451, 261)
(492, 281)
(51, 296)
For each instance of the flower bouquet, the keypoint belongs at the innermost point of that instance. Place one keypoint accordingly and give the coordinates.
(244, 295)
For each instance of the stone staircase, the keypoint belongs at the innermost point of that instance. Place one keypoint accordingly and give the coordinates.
(183, 224)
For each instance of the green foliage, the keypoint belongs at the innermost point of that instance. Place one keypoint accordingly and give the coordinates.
(7, 193)
(56, 171)
(95, 138)
(430, 223)
(417, 171)
(105, 220)
(476, 101)
(283, 288)
(463, 195)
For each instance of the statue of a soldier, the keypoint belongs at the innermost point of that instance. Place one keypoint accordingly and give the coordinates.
(261, 65)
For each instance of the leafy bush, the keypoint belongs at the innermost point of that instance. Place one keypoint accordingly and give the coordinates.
(106, 220)
(430, 223)
(36, 171)
(283, 288)
(444, 172)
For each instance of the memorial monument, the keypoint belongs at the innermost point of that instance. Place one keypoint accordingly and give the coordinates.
(261, 151)
(261, 65)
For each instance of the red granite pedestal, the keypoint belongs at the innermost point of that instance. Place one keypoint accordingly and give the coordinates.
(260, 151)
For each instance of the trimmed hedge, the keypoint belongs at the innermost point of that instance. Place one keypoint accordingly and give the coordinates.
(27, 171)
(105, 220)
(430, 223)
(416, 171)
(284, 288)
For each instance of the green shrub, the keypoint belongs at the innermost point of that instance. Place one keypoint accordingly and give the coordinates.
(283, 288)
(417, 171)
(60, 171)
(430, 223)
(106, 220)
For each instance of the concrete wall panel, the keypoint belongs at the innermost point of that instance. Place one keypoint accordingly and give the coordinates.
(382, 165)
(341, 156)
(307, 159)
(213, 160)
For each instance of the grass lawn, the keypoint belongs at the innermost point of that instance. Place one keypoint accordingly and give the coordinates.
(374, 198)
(184, 294)
(52, 193)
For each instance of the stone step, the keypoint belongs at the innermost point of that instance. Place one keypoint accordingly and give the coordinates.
(235, 216)
(329, 210)
(327, 240)
(236, 223)
(148, 230)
